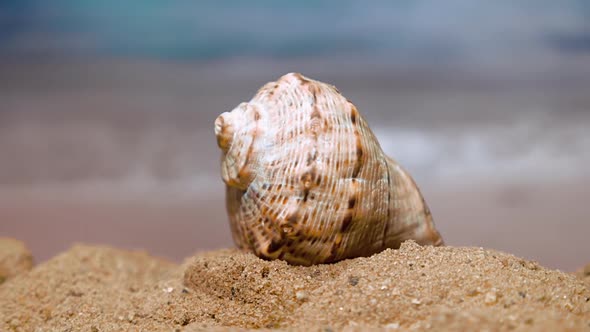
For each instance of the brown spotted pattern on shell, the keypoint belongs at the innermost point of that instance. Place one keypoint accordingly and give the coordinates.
(307, 182)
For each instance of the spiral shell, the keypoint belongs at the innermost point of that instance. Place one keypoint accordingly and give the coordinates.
(307, 182)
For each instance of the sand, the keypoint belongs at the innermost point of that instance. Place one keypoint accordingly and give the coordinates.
(96, 288)
(584, 274)
(15, 258)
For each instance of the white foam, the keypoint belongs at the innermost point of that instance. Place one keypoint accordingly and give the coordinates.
(518, 152)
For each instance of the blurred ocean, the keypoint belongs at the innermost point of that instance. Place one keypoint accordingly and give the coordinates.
(107, 111)
(454, 31)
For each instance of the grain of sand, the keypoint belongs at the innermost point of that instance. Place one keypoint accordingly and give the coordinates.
(91, 288)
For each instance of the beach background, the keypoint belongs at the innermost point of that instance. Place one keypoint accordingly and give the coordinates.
(107, 111)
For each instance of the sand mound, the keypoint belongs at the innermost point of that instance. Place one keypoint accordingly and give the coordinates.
(584, 274)
(15, 258)
(104, 289)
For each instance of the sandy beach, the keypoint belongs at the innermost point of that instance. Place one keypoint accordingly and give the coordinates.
(115, 164)
(414, 288)
(112, 206)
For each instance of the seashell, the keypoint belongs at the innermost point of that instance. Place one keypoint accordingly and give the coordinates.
(307, 181)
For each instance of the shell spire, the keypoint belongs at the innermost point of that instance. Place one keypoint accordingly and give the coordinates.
(307, 181)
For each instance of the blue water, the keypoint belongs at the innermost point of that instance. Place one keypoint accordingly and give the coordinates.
(188, 29)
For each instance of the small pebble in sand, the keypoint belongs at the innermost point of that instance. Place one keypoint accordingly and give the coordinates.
(490, 297)
(301, 296)
(353, 281)
(392, 326)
